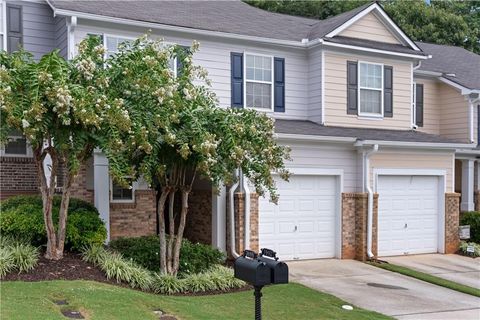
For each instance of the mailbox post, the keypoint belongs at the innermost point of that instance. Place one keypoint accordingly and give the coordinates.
(260, 270)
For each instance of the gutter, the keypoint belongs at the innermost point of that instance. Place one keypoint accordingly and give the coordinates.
(420, 145)
(307, 137)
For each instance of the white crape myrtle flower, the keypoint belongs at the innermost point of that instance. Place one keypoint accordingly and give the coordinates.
(25, 123)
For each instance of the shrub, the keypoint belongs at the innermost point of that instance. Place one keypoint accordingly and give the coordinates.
(6, 261)
(117, 267)
(472, 218)
(22, 218)
(194, 257)
(168, 284)
(476, 248)
(15, 255)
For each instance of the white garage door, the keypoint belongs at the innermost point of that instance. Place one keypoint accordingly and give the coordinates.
(302, 225)
(407, 215)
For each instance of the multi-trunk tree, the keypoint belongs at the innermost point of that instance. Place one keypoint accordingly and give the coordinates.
(64, 110)
(179, 133)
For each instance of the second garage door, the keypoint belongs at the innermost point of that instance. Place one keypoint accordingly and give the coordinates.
(408, 214)
(302, 225)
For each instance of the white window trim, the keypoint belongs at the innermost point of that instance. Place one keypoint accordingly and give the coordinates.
(414, 104)
(368, 114)
(245, 53)
(111, 35)
(29, 153)
(3, 4)
(134, 188)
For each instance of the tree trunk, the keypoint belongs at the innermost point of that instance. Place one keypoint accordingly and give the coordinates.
(161, 229)
(47, 192)
(181, 227)
(171, 230)
(62, 218)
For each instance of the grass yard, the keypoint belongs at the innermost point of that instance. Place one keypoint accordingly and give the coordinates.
(428, 278)
(34, 300)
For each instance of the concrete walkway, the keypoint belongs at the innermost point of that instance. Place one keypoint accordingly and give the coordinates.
(452, 267)
(383, 291)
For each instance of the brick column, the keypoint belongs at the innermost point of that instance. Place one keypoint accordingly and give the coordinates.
(239, 212)
(477, 200)
(79, 186)
(354, 225)
(452, 216)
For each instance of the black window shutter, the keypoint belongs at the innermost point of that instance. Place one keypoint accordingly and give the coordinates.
(352, 87)
(387, 91)
(14, 28)
(186, 51)
(279, 85)
(237, 79)
(419, 105)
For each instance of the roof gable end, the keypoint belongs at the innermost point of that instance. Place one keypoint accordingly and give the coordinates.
(376, 17)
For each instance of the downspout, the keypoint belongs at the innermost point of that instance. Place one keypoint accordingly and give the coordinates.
(246, 239)
(370, 200)
(232, 217)
(471, 103)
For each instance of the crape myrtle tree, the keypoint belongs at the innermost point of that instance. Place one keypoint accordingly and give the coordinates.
(178, 133)
(64, 110)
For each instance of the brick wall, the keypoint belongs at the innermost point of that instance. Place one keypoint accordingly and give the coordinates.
(476, 198)
(199, 217)
(79, 186)
(354, 225)
(134, 219)
(239, 209)
(18, 175)
(452, 216)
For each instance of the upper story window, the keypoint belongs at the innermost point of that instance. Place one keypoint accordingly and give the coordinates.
(17, 145)
(371, 89)
(120, 193)
(259, 81)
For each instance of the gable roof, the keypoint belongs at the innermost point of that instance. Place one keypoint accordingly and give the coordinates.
(449, 60)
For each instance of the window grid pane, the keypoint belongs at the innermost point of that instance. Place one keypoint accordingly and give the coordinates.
(258, 68)
(121, 193)
(370, 101)
(371, 76)
(259, 95)
(16, 145)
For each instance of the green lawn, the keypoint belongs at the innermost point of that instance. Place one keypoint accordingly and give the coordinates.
(33, 300)
(428, 278)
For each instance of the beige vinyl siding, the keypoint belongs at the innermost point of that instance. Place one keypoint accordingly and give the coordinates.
(454, 115)
(431, 105)
(371, 28)
(336, 93)
(414, 160)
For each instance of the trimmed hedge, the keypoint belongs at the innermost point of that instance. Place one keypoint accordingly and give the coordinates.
(22, 218)
(194, 257)
(472, 218)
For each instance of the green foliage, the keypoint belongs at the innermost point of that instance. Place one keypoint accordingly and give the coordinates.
(472, 218)
(168, 284)
(117, 267)
(22, 218)
(199, 282)
(6, 261)
(442, 22)
(194, 257)
(476, 248)
(15, 255)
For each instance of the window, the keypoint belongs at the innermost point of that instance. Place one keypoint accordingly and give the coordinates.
(113, 43)
(258, 81)
(120, 193)
(17, 145)
(3, 25)
(371, 89)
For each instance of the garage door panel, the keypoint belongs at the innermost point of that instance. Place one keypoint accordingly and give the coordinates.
(407, 214)
(308, 203)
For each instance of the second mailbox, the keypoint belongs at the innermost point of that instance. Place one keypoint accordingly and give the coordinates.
(250, 269)
(279, 269)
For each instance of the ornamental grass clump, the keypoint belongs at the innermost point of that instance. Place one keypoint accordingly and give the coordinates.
(168, 284)
(16, 256)
(6, 262)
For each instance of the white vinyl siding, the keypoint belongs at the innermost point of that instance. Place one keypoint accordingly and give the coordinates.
(258, 81)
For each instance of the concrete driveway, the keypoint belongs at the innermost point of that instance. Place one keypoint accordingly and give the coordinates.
(383, 291)
(452, 267)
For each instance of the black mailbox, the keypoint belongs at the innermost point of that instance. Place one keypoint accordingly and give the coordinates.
(248, 268)
(279, 269)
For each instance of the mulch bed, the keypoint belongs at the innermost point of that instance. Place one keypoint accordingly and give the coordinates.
(71, 267)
